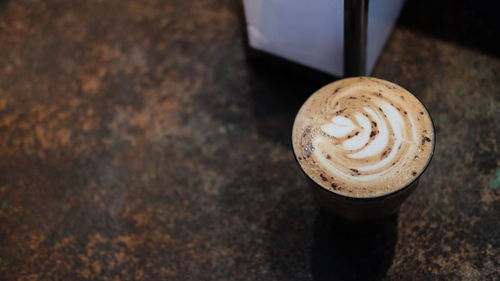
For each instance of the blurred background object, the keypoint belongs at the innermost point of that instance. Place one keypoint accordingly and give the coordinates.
(312, 34)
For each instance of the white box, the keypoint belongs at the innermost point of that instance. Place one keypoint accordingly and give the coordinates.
(312, 32)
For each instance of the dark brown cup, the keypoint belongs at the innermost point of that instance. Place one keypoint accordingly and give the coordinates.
(360, 209)
(356, 209)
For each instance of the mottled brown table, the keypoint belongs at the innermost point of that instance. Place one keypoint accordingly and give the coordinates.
(138, 143)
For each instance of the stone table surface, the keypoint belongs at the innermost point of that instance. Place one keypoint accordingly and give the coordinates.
(139, 143)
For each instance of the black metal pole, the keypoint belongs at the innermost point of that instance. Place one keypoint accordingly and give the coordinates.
(355, 29)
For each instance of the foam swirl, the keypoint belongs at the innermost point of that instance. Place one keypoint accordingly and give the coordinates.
(364, 136)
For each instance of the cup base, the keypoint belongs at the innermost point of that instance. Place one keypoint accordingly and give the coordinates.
(354, 209)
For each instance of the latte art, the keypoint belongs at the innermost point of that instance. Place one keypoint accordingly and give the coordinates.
(363, 137)
(365, 140)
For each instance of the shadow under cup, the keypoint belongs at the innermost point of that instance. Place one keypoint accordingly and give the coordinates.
(356, 209)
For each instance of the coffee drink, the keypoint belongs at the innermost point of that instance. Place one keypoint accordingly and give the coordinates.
(363, 137)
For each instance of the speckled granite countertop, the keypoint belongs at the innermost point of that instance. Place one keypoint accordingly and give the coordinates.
(137, 143)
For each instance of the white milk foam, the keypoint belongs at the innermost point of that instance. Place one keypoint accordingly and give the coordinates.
(363, 137)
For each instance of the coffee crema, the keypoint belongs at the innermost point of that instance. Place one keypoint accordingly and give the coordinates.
(363, 137)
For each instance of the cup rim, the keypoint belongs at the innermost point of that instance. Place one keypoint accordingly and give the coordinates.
(386, 195)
